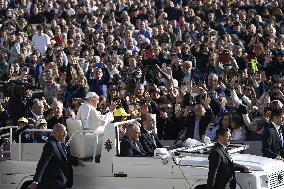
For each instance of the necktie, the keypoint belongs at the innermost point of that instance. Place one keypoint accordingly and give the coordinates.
(64, 149)
(153, 138)
(136, 145)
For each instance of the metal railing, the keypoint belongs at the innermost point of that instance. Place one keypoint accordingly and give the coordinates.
(83, 132)
(20, 139)
(125, 122)
(10, 134)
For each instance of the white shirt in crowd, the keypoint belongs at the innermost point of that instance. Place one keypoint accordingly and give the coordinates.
(92, 118)
(41, 42)
(71, 12)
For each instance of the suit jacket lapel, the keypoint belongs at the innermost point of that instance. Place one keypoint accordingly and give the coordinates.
(224, 152)
(276, 134)
(149, 137)
(138, 148)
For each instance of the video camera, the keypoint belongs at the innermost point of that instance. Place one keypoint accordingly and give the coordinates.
(18, 88)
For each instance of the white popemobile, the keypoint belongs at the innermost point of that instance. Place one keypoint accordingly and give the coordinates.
(182, 168)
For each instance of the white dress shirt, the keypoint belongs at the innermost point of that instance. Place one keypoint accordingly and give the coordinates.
(277, 127)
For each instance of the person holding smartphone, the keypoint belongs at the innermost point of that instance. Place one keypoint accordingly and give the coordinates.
(99, 79)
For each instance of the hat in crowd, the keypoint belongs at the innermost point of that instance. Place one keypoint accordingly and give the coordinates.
(277, 103)
(120, 112)
(92, 30)
(91, 95)
(23, 119)
(221, 94)
(41, 122)
(146, 40)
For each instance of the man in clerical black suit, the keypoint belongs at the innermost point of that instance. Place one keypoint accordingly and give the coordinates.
(196, 125)
(272, 144)
(54, 169)
(221, 167)
(130, 145)
(149, 139)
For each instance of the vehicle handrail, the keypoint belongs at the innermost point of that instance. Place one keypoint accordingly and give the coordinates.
(124, 122)
(10, 133)
(8, 127)
(4, 135)
(20, 139)
(192, 149)
(77, 132)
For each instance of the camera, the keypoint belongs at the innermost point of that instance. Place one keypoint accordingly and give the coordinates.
(37, 94)
(15, 88)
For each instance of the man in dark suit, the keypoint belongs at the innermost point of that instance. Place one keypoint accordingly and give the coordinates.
(149, 139)
(54, 169)
(221, 166)
(272, 144)
(167, 129)
(130, 145)
(196, 125)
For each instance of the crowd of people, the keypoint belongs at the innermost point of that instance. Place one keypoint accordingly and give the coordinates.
(197, 65)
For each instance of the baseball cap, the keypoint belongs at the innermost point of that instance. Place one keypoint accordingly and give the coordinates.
(120, 112)
(41, 122)
(23, 119)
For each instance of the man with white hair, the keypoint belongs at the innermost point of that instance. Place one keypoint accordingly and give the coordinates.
(89, 115)
(56, 115)
(130, 145)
